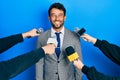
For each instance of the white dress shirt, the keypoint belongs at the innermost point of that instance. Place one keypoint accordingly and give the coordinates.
(61, 35)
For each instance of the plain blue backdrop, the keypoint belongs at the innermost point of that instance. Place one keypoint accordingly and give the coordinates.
(100, 18)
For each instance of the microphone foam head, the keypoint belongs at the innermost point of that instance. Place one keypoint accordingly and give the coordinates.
(71, 54)
(69, 50)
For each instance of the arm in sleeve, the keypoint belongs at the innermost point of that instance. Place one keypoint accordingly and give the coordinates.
(110, 50)
(8, 42)
(93, 74)
(15, 66)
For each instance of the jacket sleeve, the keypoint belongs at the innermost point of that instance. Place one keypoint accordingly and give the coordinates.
(8, 42)
(15, 66)
(110, 50)
(93, 74)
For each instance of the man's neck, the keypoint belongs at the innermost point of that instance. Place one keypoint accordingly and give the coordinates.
(58, 30)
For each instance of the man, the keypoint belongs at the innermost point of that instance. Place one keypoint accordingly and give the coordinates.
(57, 66)
(110, 50)
(14, 66)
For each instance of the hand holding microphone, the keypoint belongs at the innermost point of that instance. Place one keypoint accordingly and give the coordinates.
(80, 31)
(85, 37)
(89, 38)
(31, 33)
(51, 45)
(73, 57)
(71, 54)
(49, 49)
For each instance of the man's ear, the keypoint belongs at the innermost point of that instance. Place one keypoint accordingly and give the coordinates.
(64, 17)
(48, 17)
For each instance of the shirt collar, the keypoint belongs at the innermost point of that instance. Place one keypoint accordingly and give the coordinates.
(62, 30)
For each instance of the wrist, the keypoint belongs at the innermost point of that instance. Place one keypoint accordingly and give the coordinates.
(81, 66)
(93, 40)
(44, 49)
(25, 35)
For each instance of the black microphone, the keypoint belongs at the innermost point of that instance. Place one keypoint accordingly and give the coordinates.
(71, 54)
(80, 31)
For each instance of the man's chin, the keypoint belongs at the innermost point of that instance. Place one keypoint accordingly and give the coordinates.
(57, 27)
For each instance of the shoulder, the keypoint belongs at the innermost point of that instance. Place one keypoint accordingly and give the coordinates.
(71, 33)
(45, 34)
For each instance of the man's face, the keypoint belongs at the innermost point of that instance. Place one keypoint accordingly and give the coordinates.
(57, 18)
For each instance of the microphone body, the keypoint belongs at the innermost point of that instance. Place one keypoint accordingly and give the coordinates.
(71, 54)
(80, 31)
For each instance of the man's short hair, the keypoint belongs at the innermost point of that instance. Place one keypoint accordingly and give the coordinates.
(57, 6)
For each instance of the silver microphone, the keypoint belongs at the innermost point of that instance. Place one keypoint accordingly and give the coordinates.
(76, 29)
(39, 30)
(52, 40)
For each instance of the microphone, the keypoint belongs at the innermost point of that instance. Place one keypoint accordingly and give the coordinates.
(39, 30)
(71, 54)
(52, 40)
(80, 31)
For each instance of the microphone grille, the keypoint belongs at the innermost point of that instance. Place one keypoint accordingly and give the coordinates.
(40, 30)
(69, 50)
(76, 29)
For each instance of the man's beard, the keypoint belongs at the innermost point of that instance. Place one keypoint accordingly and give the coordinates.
(55, 27)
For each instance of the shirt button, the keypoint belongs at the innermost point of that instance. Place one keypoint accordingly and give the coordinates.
(56, 73)
(58, 61)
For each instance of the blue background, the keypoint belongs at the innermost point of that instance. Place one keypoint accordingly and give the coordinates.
(100, 18)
